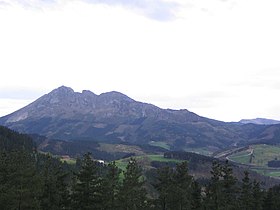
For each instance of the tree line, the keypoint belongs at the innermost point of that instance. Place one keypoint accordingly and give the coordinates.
(31, 180)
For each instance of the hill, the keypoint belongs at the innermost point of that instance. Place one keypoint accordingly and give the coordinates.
(11, 140)
(199, 166)
(115, 118)
(104, 151)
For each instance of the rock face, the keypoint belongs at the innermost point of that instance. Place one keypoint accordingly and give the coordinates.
(114, 117)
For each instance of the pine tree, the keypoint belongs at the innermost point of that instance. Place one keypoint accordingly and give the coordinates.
(5, 194)
(19, 183)
(111, 187)
(165, 188)
(87, 190)
(214, 189)
(55, 194)
(183, 184)
(229, 189)
(272, 201)
(62, 189)
(257, 196)
(49, 196)
(196, 196)
(246, 197)
(269, 201)
(132, 194)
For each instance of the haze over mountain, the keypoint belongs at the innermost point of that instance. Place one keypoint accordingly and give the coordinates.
(260, 121)
(114, 117)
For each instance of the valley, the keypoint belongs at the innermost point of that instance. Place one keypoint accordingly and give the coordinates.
(113, 126)
(114, 118)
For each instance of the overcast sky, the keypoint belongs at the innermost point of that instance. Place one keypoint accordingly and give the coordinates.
(217, 58)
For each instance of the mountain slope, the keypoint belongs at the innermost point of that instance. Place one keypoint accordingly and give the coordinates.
(114, 117)
(11, 140)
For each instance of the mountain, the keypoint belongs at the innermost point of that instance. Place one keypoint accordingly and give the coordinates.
(115, 118)
(260, 121)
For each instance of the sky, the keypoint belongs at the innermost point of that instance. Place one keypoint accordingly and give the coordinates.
(217, 58)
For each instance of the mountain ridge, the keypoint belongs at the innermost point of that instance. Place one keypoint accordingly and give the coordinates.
(115, 117)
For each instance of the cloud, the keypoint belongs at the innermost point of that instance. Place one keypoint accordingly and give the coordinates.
(20, 93)
(156, 9)
(8, 106)
(29, 4)
(159, 10)
(4, 4)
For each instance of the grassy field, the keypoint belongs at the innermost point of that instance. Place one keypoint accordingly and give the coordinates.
(267, 171)
(70, 161)
(257, 156)
(241, 157)
(261, 155)
(200, 150)
(273, 173)
(161, 144)
(145, 161)
(113, 148)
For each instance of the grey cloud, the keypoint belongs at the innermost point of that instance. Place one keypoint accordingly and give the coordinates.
(4, 4)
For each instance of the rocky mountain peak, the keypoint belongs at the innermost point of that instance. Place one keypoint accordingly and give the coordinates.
(114, 95)
(114, 117)
(88, 93)
(63, 90)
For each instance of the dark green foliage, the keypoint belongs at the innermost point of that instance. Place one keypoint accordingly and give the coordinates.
(258, 196)
(246, 194)
(183, 187)
(132, 194)
(214, 189)
(55, 194)
(29, 180)
(274, 163)
(75, 148)
(229, 188)
(165, 188)
(111, 187)
(177, 190)
(272, 199)
(194, 160)
(87, 189)
(19, 183)
(12, 141)
(222, 192)
(196, 200)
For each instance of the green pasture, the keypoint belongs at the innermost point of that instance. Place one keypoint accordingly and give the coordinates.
(260, 157)
(262, 154)
(160, 144)
(145, 160)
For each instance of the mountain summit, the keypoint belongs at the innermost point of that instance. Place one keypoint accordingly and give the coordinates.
(114, 117)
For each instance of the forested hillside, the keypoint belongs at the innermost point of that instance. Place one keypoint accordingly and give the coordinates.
(30, 180)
